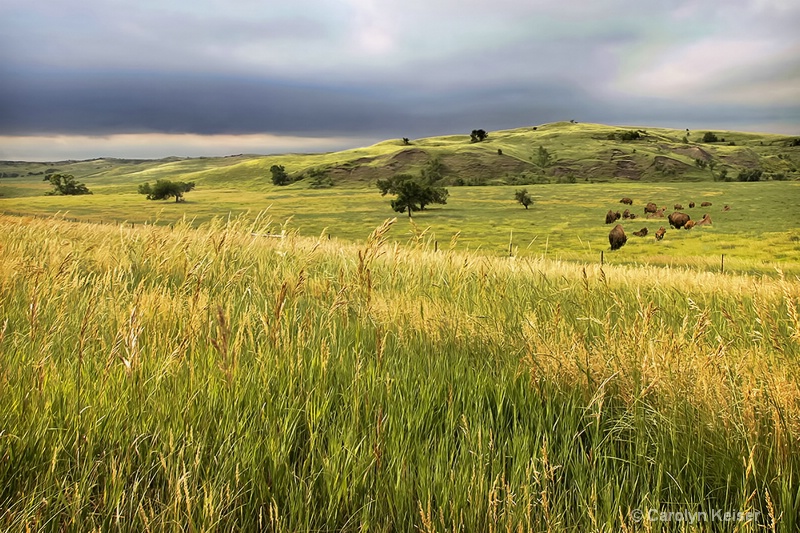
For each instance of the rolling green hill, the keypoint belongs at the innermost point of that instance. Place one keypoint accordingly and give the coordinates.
(581, 152)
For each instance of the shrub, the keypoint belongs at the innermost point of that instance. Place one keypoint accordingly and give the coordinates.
(750, 175)
(710, 137)
(630, 136)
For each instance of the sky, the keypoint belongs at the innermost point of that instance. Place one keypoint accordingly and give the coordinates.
(153, 78)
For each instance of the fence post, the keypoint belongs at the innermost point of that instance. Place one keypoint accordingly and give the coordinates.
(601, 257)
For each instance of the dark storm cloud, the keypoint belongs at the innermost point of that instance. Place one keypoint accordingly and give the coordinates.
(100, 104)
(370, 68)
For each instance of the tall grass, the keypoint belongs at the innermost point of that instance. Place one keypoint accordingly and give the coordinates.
(218, 379)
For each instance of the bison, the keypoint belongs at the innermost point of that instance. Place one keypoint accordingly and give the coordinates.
(705, 204)
(641, 233)
(678, 207)
(612, 217)
(626, 201)
(689, 224)
(617, 237)
(691, 205)
(660, 233)
(650, 208)
(626, 213)
(678, 220)
(658, 213)
(706, 221)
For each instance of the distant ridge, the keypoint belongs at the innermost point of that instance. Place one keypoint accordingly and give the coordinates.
(578, 152)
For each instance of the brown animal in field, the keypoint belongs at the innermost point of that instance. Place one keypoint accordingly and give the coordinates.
(706, 221)
(626, 213)
(617, 237)
(705, 204)
(689, 225)
(659, 213)
(650, 208)
(626, 201)
(726, 208)
(641, 233)
(632, 216)
(612, 217)
(691, 205)
(660, 233)
(678, 207)
(678, 220)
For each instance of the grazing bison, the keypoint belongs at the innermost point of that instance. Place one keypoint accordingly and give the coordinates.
(650, 208)
(706, 221)
(612, 217)
(658, 213)
(705, 204)
(617, 237)
(626, 201)
(626, 213)
(660, 233)
(691, 205)
(641, 233)
(726, 208)
(678, 207)
(689, 224)
(678, 220)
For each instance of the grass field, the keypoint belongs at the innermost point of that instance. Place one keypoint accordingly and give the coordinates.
(761, 232)
(157, 378)
(287, 359)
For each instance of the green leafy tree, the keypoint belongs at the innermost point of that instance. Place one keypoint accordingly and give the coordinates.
(164, 189)
(710, 137)
(411, 194)
(279, 175)
(65, 184)
(478, 135)
(523, 197)
(543, 158)
(433, 171)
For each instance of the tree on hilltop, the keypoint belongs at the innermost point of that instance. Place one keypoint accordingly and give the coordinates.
(478, 135)
(164, 189)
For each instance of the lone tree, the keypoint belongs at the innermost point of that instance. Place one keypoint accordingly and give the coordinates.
(279, 175)
(710, 137)
(477, 136)
(411, 193)
(543, 159)
(164, 189)
(523, 197)
(65, 184)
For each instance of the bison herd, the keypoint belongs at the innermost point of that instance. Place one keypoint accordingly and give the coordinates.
(677, 220)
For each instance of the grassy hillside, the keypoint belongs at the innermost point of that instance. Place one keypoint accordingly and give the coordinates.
(592, 168)
(585, 152)
(156, 378)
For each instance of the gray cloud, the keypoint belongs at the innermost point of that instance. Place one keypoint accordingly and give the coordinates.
(391, 67)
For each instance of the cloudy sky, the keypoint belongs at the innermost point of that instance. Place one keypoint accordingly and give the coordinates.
(152, 78)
